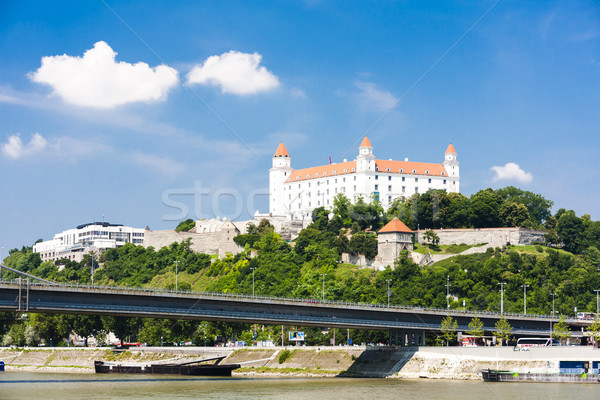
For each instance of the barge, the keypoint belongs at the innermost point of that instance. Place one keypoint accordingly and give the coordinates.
(568, 372)
(195, 368)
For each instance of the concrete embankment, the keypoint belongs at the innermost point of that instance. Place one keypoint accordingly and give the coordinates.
(407, 362)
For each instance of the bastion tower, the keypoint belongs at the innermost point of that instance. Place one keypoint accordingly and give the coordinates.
(452, 168)
(281, 170)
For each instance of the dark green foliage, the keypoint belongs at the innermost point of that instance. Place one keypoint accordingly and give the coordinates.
(363, 243)
(186, 225)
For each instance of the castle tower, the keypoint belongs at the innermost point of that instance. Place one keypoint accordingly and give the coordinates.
(392, 239)
(452, 168)
(280, 171)
(365, 160)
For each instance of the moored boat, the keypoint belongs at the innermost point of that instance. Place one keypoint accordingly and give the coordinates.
(195, 368)
(492, 375)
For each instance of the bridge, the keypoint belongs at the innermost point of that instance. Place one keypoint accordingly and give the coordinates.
(25, 296)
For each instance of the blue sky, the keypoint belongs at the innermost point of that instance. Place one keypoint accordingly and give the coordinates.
(118, 109)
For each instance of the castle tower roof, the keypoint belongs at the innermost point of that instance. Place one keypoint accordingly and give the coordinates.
(450, 149)
(395, 225)
(365, 143)
(281, 151)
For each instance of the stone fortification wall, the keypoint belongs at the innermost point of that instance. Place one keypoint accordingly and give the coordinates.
(496, 237)
(219, 243)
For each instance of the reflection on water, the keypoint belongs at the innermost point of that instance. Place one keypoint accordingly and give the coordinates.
(40, 386)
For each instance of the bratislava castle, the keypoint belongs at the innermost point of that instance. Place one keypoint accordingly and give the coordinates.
(294, 193)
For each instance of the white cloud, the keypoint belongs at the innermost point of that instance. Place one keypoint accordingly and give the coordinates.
(163, 165)
(511, 171)
(235, 72)
(14, 147)
(97, 80)
(374, 99)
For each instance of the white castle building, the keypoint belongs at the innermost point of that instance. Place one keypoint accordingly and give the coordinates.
(294, 193)
(72, 244)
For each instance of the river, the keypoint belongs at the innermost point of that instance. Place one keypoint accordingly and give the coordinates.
(40, 386)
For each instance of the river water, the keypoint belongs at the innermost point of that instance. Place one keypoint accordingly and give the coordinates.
(40, 386)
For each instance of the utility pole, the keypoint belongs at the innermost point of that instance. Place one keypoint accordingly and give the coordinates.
(323, 297)
(502, 297)
(253, 268)
(524, 298)
(389, 292)
(551, 322)
(597, 303)
(92, 267)
(448, 291)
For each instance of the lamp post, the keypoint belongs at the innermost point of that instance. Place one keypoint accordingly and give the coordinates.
(176, 265)
(1, 248)
(323, 297)
(597, 302)
(448, 291)
(92, 267)
(388, 291)
(551, 322)
(524, 298)
(502, 297)
(253, 268)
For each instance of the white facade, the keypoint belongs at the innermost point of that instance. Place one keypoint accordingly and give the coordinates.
(73, 244)
(295, 193)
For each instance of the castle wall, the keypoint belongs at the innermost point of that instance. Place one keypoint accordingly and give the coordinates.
(219, 243)
(494, 236)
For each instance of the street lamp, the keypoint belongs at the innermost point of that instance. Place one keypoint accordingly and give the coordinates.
(551, 322)
(502, 297)
(92, 267)
(597, 302)
(389, 292)
(448, 291)
(1, 248)
(176, 265)
(323, 275)
(524, 298)
(253, 268)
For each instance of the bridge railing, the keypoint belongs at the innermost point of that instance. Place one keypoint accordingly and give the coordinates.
(235, 296)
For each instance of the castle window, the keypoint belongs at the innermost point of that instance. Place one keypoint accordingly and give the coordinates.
(344, 180)
(376, 168)
(416, 190)
(354, 178)
(389, 178)
(308, 184)
(401, 169)
(403, 189)
(389, 199)
(389, 188)
(355, 188)
(297, 177)
(353, 169)
(317, 175)
(442, 172)
(376, 187)
(308, 176)
(345, 170)
(444, 181)
(387, 169)
(335, 181)
(427, 172)
(334, 172)
(416, 180)
(376, 177)
(414, 171)
(324, 173)
(403, 179)
(429, 181)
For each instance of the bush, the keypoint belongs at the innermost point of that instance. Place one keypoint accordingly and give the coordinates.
(539, 249)
(284, 355)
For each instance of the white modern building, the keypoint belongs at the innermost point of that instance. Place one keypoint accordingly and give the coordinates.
(295, 193)
(73, 244)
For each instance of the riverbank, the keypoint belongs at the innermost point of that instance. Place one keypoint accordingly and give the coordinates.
(380, 362)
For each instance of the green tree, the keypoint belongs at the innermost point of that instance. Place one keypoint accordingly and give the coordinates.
(561, 330)
(185, 226)
(432, 237)
(503, 330)
(485, 209)
(570, 230)
(363, 243)
(594, 330)
(476, 327)
(448, 327)
(514, 214)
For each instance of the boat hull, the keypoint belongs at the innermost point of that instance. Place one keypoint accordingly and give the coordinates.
(491, 375)
(166, 369)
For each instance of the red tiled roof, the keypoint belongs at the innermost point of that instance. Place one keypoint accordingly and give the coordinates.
(281, 151)
(450, 149)
(347, 167)
(395, 225)
(407, 167)
(365, 143)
